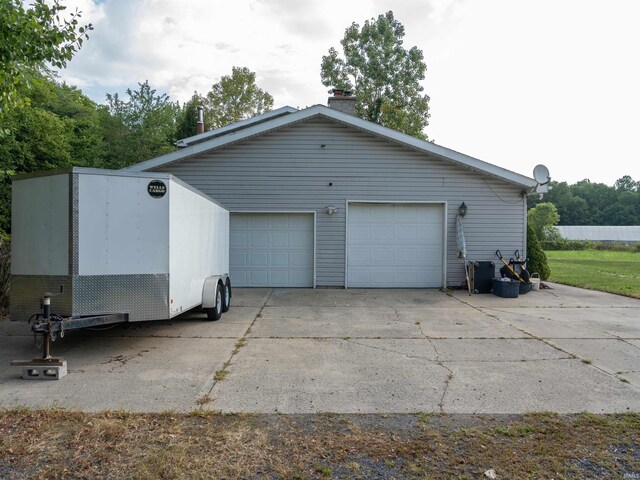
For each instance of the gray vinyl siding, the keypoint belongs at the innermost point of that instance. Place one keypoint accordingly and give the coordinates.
(289, 170)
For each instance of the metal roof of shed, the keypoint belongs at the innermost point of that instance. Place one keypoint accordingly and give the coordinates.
(625, 233)
(287, 116)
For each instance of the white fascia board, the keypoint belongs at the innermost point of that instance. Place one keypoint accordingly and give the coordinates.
(320, 110)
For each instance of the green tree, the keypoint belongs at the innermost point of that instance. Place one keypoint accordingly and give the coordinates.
(139, 128)
(384, 76)
(234, 98)
(537, 258)
(31, 38)
(542, 217)
(627, 184)
(188, 117)
(573, 210)
(59, 128)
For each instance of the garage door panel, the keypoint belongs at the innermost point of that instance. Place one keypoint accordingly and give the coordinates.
(380, 276)
(406, 234)
(279, 240)
(279, 278)
(395, 245)
(257, 222)
(257, 277)
(360, 234)
(359, 276)
(383, 255)
(240, 278)
(279, 259)
(280, 222)
(360, 256)
(258, 259)
(237, 222)
(272, 249)
(382, 234)
(408, 277)
(410, 256)
(258, 239)
(238, 258)
(299, 260)
(301, 239)
(238, 238)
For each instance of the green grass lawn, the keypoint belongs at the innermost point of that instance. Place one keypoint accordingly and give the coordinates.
(615, 272)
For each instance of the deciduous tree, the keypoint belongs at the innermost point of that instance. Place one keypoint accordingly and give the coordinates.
(30, 39)
(139, 128)
(234, 98)
(384, 76)
(542, 217)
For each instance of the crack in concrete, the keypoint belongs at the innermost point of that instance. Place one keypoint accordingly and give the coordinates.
(543, 340)
(242, 341)
(405, 355)
(611, 335)
(549, 343)
(447, 380)
(437, 361)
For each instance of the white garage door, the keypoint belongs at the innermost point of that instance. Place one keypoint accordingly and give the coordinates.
(395, 245)
(271, 249)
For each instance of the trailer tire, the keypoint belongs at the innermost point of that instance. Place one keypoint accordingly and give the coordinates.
(215, 313)
(226, 298)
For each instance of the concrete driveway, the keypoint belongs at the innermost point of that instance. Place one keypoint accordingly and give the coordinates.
(349, 351)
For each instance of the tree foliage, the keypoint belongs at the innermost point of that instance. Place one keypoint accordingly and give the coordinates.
(542, 218)
(235, 97)
(186, 123)
(139, 128)
(31, 38)
(537, 258)
(384, 76)
(59, 129)
(590, 203)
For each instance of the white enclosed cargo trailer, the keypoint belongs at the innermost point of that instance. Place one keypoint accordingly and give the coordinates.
(112, 244)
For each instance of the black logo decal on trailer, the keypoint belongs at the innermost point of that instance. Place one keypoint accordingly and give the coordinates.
(156, 188)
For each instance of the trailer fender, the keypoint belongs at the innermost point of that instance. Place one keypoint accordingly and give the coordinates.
(210, 290)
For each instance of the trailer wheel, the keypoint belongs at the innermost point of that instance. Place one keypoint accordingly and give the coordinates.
(226, 298)
(215, 313)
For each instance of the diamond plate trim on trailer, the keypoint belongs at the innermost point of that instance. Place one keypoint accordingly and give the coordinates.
(74, 227)
(143, 297)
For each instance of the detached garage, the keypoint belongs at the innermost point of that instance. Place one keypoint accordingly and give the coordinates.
(320, 198)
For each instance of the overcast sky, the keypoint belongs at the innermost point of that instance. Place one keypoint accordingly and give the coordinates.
(514, 83)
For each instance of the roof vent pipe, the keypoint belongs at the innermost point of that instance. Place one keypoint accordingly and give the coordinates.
(200, 124)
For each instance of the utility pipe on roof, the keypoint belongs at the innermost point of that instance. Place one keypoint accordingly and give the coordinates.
(200, 124)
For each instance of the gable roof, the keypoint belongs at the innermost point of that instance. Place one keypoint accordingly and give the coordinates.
(287, 116)
(202, 137)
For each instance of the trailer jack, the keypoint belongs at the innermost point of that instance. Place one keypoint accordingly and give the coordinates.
(49, 326)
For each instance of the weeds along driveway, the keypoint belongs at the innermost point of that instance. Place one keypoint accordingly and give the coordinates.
(356, 351)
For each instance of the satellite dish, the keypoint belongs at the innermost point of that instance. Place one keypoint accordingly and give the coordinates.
(541, 174)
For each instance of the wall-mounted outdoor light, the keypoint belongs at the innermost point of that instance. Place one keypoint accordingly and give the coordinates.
(462, 210)
(330, 210)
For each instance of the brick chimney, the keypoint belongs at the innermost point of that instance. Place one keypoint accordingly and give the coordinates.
(343, 101)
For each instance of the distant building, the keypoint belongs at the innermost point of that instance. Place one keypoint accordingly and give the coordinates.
(620, 234)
